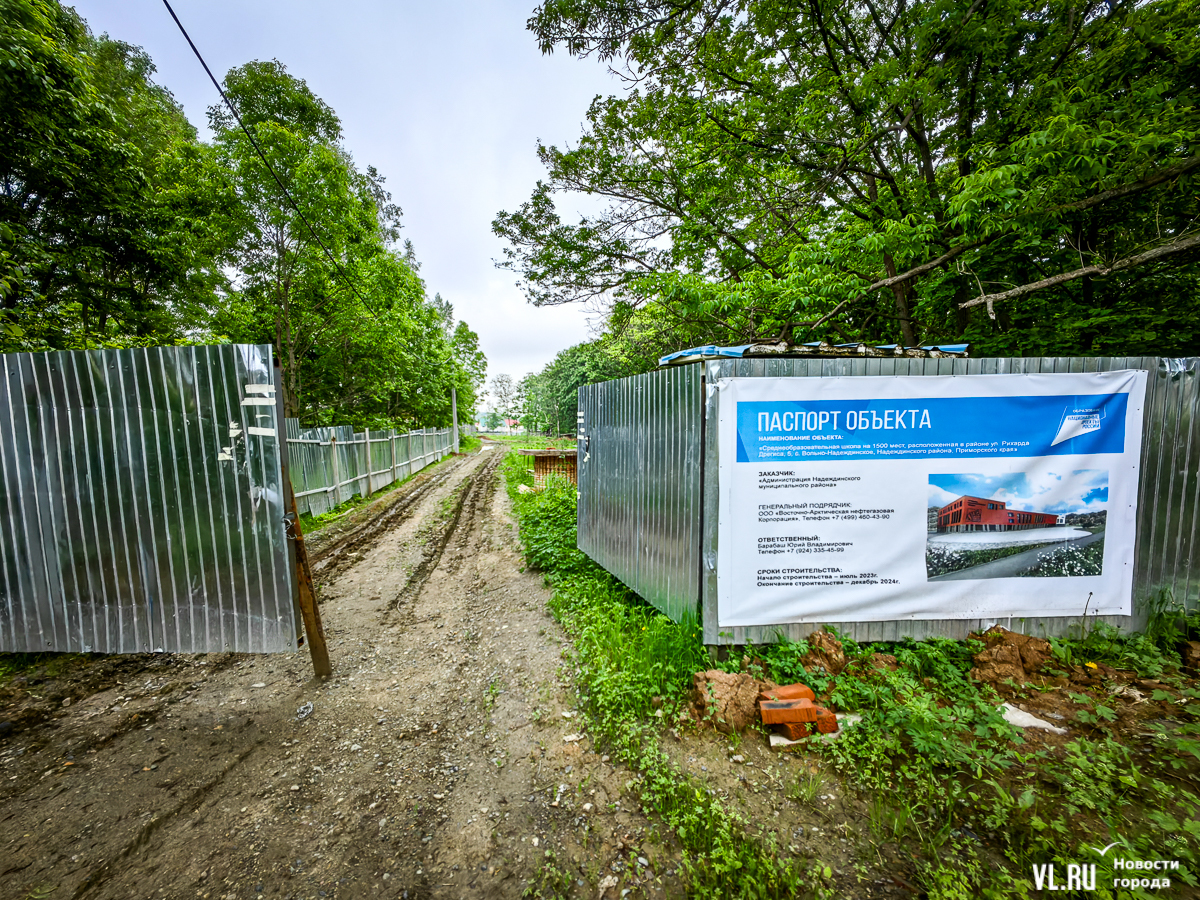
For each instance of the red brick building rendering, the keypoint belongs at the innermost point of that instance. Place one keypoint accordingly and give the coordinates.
(983, 514)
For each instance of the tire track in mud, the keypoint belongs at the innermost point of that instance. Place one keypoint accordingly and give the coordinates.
(329, 560)
(470, 496)
(102, 873)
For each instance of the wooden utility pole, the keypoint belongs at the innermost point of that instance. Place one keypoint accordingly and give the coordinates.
(454, 418)
(306, 594)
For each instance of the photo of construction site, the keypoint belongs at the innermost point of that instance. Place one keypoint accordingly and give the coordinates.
(1016, 525)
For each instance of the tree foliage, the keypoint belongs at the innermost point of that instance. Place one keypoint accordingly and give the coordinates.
(1018, 173)
(118, 227)
(111, 213)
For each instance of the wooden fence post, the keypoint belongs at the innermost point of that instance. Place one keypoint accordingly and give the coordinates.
(306, 595)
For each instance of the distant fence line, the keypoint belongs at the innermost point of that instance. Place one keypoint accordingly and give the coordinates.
(330, 465)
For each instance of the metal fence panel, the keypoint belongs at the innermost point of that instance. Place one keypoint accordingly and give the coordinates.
(141, 503)
(331, 465)
(639, 481)
(647, 449)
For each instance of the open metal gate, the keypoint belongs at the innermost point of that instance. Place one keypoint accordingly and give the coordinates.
(141, 502)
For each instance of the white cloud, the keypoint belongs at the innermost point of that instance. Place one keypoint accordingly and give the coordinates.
(940, 496)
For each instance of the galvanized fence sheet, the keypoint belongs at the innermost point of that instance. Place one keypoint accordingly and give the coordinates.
(639, 483)
(140, 502)
(648, 511)
(331, 465)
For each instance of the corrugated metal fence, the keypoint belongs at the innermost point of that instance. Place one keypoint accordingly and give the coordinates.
(639, 458)
(141, 504)
(650, 483)
(328, 466)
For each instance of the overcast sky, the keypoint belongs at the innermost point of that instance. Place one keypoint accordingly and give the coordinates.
(446, 99)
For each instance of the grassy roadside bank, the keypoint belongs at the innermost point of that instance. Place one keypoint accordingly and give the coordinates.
(953, 801)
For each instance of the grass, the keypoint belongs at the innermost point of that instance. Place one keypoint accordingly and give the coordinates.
(939, 770)
(627, 657)
(41, 664)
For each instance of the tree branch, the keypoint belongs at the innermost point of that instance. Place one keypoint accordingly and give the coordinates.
(1131, 188)
(1177, 246)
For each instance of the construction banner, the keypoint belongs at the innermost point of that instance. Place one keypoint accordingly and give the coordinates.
(944, 497)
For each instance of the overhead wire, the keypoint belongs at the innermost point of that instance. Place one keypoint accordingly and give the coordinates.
(266, 162)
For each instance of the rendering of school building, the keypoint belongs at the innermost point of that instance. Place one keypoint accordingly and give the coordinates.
(981, 514)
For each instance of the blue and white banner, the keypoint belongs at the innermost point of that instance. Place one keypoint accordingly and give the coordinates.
(976, 496)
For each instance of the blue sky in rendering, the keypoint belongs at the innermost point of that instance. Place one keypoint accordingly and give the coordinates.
(447, 100)
(1067, 491)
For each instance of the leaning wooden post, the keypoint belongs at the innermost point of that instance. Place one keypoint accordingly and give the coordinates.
(306, 595)
(454, 419)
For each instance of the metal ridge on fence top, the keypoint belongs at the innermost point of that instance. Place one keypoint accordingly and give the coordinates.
(813, 349)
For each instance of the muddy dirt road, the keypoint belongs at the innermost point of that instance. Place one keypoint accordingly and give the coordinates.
(443, 759)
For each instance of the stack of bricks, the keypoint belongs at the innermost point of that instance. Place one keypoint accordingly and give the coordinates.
(793, 711)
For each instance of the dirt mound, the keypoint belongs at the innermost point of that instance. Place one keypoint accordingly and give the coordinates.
(825, 652)
(727, 701)
(1008, 655)
(884, 661)
(1191, 656)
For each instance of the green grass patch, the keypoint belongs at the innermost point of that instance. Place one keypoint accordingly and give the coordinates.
(39, 665)
(943, 775)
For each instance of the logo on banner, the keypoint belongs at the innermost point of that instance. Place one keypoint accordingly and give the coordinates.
(1078, 422)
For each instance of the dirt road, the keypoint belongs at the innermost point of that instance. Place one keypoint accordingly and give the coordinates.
(442, 760)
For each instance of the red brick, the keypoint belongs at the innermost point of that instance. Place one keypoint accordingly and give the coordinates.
(793, 731)
(777, 712)
(827, 722)
(789, 692)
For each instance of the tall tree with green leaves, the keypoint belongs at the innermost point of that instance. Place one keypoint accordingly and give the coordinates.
(111, 212)
(1021, 174)
(320, 275)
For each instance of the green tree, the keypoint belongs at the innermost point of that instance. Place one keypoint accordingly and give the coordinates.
(471, 370)
(1018, 173)
(505, 396)
(110, 211)
(322, 280)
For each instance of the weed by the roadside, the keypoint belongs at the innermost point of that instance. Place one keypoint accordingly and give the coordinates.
(888, 821)
(805, 787)
(549, 882)
(489, 697)
(548, 528)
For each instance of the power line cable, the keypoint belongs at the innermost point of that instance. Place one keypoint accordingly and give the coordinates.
(257, 149)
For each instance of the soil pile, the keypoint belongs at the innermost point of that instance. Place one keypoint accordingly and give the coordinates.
(825, 652)
(727, 700)
(1009, 656)
(1191, 656)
